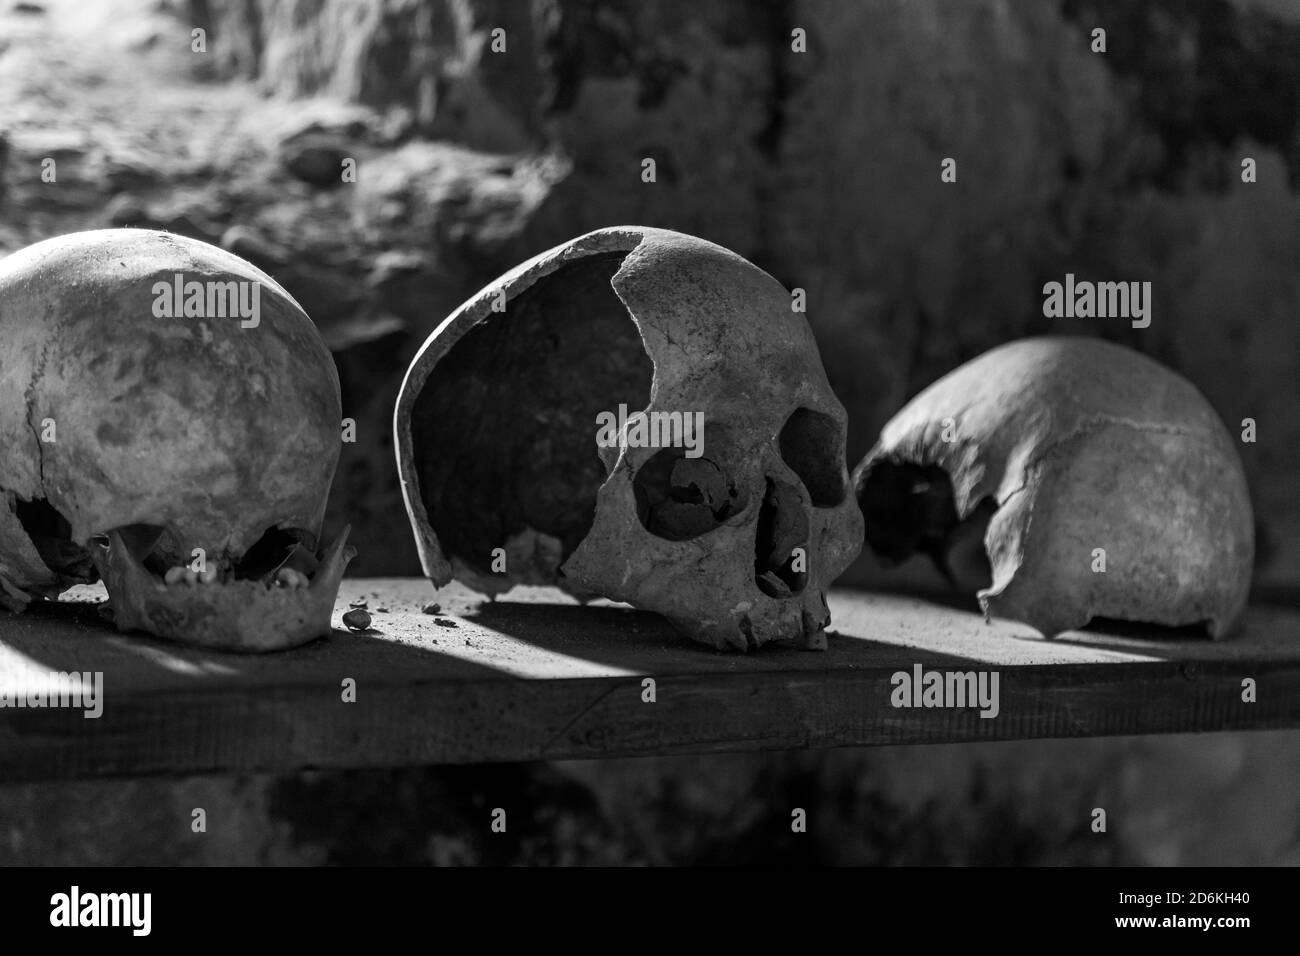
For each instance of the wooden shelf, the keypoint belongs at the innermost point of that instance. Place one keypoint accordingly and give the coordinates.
(535, 677)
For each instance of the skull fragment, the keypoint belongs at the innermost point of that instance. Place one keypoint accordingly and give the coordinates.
(507, 480)
(1109, 487)
(157, 432)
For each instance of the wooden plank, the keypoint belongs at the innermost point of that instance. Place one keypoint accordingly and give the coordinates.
(536, 676)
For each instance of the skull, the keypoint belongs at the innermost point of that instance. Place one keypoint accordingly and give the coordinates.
(1109, 487)
(507, 479)
(184, 459)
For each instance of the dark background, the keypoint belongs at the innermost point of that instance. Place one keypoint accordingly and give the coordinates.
(823, 168)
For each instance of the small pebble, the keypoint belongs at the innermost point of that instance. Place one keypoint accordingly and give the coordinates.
(432, 609)
(443, 622)
(357, 620)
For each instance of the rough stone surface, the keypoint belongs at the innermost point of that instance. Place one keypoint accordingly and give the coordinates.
(823, 168)
(1190, 800)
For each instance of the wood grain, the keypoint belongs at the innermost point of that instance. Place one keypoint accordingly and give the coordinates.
(536, 676)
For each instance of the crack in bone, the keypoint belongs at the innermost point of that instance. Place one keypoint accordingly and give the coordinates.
(30, 399)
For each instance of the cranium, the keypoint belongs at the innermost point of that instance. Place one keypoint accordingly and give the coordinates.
(499, 419)
(1109, 486)
(184, 459)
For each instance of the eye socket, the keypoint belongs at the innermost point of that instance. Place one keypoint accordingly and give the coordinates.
(905, 507)
(812, 444)
(679, 498)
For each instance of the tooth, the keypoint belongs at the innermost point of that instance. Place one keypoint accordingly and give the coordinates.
(238, 616)
(290, 578)
(208, 575)
(174, 576)
(191, 576)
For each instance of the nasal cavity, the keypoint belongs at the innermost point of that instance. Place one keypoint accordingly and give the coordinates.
(781, 554)
(812, 444)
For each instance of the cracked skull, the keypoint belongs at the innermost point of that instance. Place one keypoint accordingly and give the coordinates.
(169, 421)
(720, 500)
(1104, 486)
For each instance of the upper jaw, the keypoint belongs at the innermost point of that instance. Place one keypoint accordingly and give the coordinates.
(234, 614)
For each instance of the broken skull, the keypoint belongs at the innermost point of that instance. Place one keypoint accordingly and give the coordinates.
(169, 421)
(724, 504)
(1108, 485)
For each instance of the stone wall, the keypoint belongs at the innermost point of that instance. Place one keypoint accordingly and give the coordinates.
(823, 167)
